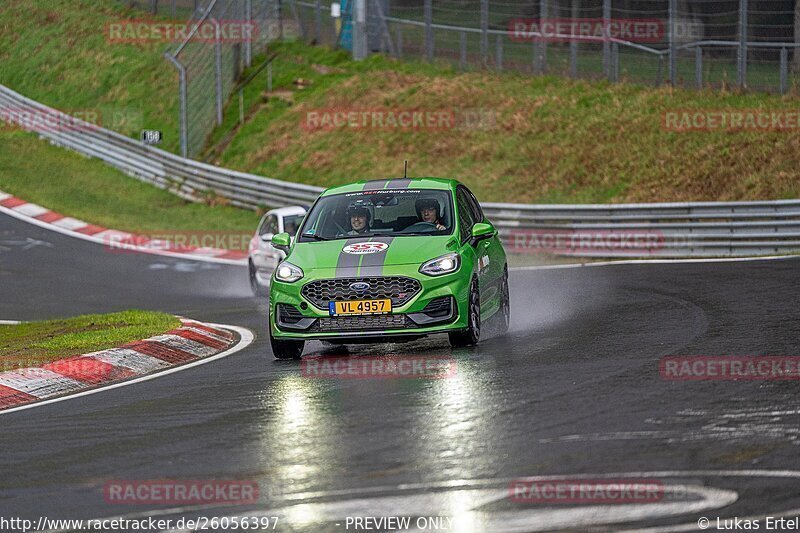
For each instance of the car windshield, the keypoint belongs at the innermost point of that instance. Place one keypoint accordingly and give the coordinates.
(395, 212)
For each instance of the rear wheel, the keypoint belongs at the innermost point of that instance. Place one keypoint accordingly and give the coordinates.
(286, 349)
(472, 334)
(255, 286)
(503, 315)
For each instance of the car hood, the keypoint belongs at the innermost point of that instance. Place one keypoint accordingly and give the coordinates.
(390, 251)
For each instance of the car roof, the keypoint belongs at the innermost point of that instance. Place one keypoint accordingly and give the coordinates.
(287, 211)
(395, 183)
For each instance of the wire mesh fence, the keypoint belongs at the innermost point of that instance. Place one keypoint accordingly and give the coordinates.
(690, 43)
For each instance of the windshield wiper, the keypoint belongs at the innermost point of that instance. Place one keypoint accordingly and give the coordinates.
(315, 237)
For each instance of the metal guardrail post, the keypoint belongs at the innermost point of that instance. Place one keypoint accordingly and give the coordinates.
(660, 71)
(484, 31)
(785, 69)
(184, 124)
(428, 14)
(673, 50)
(218, 69)
(606, 35)
(741, 71)
(543, 15)
(698, 67)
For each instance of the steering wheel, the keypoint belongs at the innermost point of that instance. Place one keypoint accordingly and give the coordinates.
(421, 226)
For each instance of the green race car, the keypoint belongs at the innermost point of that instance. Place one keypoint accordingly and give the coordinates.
(387, 261)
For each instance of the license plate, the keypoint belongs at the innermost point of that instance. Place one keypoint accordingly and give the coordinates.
(360, 307)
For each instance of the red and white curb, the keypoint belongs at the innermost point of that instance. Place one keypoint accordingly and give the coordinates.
(192, 344)
(114, 239)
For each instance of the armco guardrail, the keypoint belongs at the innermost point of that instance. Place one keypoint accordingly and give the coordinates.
(693, 229)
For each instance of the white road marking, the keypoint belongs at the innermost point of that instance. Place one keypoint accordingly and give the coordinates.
(246, 339)
(93, 238)
(69, 223)
(31, 210)
(655, 262)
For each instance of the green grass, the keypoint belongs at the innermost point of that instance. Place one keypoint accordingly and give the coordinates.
(56, 52)
(36, 343)
(88, 189)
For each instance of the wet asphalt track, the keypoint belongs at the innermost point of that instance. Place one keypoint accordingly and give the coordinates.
(574, 389)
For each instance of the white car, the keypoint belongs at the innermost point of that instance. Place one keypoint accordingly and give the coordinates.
(263, 256)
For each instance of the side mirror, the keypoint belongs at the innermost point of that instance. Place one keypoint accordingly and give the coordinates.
(482, 231)
(282, 241)
(267, 237)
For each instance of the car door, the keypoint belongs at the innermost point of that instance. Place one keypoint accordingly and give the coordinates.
(265, 257)
(466, 219)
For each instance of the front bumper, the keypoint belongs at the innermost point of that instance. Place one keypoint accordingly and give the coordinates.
(439, 306)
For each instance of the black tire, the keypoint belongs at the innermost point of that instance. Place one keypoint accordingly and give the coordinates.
(472, 334)
(503, 316)
(255, 286)
(283, 349)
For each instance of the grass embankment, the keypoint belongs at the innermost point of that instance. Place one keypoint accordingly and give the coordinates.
(37, 343)
(551, 139)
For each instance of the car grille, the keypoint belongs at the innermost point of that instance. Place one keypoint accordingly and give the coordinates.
(397, 288)
(361, 323)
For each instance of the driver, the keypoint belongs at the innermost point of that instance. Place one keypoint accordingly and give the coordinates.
(359, 219)
(428, 211)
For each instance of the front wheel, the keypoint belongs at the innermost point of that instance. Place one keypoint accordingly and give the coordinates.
(286, 349)
(471, 335)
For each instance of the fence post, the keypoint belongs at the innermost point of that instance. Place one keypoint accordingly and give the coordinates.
(296, 15)
(606, 35)
(384, 26)
(318, 21)
(543, 15)
(698, 66)
(184, 123)
(360, 29)
(660, 71)
(784, 70)
(484, 30)
(614, 62)
(154, 7)
(741, 71)
(428, 29)
(463, 50)
(248, 43)
(498, 58)
(399, 38)
(673, 52)
(573, 44)
(174, 9)
(218, 69)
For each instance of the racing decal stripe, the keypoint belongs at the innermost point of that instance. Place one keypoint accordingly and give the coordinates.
(372, 264)
(399, 183)
(347, 264)
(375, 184)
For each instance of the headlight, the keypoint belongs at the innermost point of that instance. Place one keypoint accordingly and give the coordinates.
(288, 272)
(441, 265)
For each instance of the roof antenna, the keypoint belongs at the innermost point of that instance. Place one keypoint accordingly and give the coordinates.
(405, 169)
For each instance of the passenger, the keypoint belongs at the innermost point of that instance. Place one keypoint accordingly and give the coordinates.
(428, 211)
(359, 219)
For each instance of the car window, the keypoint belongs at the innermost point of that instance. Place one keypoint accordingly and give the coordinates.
(475, 206)
(291, 223)
(466, 218)
(270, 225)
(394, 212)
